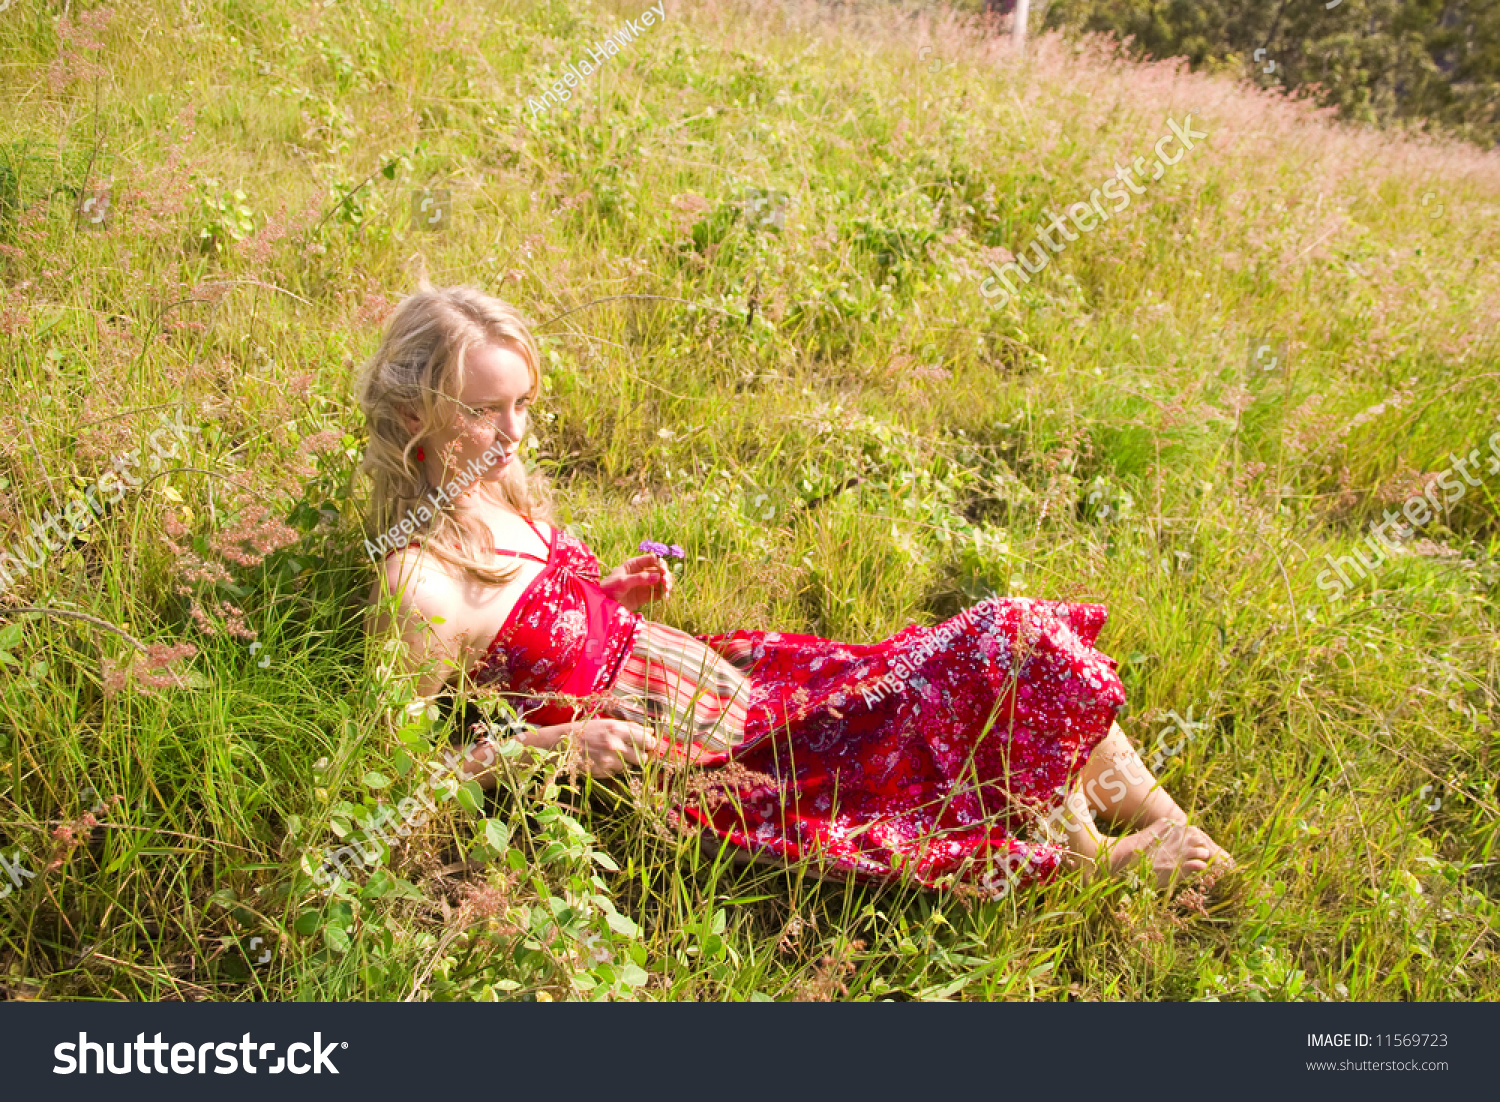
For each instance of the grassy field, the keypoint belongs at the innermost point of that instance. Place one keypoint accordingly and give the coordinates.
(756, 245)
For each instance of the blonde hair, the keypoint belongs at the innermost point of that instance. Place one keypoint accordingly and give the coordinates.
(422, 356)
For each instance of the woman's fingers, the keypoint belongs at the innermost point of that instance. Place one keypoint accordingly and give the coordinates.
(605, 763)
(610, 745)
(629, 752)
(642, 741)
(648, 570)
(658, 579)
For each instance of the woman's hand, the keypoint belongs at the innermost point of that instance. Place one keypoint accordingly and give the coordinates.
(609, 745)
(638, 580)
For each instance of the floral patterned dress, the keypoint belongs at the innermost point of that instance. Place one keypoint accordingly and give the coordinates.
(932, 755)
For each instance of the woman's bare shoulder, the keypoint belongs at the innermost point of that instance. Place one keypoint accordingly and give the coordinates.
(421, 582)
(429, 615)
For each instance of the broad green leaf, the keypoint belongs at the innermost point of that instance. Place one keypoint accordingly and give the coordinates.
(622, 924)
(471, 797)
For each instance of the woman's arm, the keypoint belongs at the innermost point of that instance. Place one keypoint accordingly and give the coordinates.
(609, 745)
(430, 618)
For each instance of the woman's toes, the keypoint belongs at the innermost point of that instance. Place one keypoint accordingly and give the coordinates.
(1221, 856)
(1171, 849)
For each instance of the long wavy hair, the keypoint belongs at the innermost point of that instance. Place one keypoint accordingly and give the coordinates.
(421, 357)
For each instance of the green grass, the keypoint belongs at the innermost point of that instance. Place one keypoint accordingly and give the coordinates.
(1106, 436)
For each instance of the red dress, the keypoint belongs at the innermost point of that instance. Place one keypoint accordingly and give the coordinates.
(933, 755)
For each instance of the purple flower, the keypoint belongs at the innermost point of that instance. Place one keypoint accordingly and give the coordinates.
(663, 549)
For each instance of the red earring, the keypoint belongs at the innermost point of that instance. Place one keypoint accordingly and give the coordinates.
(421, 455)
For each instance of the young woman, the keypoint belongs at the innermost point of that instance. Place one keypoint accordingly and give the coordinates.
(977, 751)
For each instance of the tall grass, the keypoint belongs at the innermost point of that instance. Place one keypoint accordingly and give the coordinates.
(819, 404)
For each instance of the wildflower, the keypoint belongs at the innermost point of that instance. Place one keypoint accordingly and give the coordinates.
(70, 65)
(689, 207)
(373, 310)
(487, 902)
(257, 249)
(115, 677)
(158, 656)
(829, 978)
(263, 532)
(671, 550)
(324, 441)
(70, 835)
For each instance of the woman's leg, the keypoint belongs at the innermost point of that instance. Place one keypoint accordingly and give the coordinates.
(1116, 784)
(1120, 789)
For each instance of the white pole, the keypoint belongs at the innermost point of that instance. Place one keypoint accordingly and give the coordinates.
(1018, 26)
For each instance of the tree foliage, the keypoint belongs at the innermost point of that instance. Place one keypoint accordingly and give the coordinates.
(1381, 61)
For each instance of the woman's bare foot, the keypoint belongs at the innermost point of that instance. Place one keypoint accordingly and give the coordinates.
(1173, 848)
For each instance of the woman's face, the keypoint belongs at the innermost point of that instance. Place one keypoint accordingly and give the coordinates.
(491, 418)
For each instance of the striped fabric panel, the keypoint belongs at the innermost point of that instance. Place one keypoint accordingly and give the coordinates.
(686, 690)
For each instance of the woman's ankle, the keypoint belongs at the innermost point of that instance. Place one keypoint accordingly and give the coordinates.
(1157, 805)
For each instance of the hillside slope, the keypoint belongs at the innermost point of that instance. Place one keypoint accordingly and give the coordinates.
(761, 243)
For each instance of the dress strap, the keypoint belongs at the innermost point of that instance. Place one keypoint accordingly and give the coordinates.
(544, 539)
(538, 532)
(521, 554)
